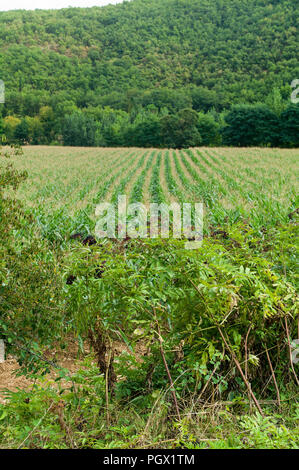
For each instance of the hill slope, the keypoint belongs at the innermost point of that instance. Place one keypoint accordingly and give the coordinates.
(239, 49)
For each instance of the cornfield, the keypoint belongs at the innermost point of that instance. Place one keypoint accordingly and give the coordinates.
(259, 184)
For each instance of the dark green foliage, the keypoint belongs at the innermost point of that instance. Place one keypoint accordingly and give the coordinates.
(165, 98)
(144, 134)
(79, 130)
(290, 126)
(208, 129)
(22, 132)
(251, 125)
(48, 123)
(180, 130)
(204, 99)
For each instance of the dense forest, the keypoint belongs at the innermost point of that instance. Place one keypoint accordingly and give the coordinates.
(131, 74)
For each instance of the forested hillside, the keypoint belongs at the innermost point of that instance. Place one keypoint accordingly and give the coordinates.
(171, 54)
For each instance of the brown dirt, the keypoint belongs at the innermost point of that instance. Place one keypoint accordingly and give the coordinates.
(68, 359)
(9, 381)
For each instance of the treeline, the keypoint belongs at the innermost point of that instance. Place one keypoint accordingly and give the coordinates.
(275, 123)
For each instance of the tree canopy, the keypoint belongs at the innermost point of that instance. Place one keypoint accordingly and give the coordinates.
(222, 51)
(142, 57)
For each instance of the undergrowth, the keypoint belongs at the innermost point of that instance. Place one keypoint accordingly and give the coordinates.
(74, 416)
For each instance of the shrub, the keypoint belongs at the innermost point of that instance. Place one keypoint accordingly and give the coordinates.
(216, 308)
(30, 286)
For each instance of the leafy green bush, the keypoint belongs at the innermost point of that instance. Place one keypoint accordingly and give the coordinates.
(30, 284)
(209, 312)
